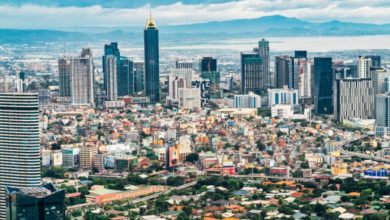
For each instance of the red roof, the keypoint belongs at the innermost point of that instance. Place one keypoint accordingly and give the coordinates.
(72, 195)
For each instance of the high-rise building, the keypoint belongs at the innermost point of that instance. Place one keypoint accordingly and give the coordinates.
(249, 100)
(189, 98)
(263, 50)
(208, 64)
(379, 76)
(285, 95)
(364, 67)
(382, 114)
(151, 50)
(20, 164)
(183, 64)
(87, 156)
(251, 73)
(64, 77)
(214, 77)
(284, 68)
(323, 85)
(111, 74)
(353, 98)
(43, 203)
(302, 69)
(139, 77)
(109, 50)
(186, 74)
(126, 78)
(174, 84)
(375, 61)
(82, 78)
(300, 54)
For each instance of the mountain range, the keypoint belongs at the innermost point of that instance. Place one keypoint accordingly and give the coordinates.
(269, 26)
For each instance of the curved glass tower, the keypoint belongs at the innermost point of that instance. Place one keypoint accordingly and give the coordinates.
(151, 49)
(19, 143)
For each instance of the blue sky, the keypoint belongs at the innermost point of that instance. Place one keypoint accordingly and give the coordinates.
(71, 13)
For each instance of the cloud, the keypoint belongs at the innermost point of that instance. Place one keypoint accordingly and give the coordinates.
(42, 14)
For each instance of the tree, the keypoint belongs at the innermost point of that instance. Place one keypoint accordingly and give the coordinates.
(260, 146)
(192, 157)
(320, 209)
(175, 181)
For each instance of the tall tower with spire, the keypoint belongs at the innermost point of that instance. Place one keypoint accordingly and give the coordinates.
(151, 50)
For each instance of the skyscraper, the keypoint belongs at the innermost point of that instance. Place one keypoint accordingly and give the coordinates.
(353, 98)
(111, 81)
(82, 78)
(139, 77)
(323, 85)
(375, 61)
(20, 164)
(64, 77)
(364, 67)
(251, 73)
(151, 50)
(379, 76)
(302, 69)
(284, 69)
(382, 114)
(300, 54)
(126, 78)
(263, 51)
(208, 64)
(109, 50)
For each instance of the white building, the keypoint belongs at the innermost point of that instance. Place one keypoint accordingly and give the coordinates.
(282, 111)
(303, 70)
(82, 78)
(353, 98)
(112, 81)
(282, 96)
(364, 67)
(189, 98)
(185, 73)
(174, 84)
(380, 80)
(251, 100)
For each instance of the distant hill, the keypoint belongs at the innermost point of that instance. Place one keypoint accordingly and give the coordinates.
(269, 26)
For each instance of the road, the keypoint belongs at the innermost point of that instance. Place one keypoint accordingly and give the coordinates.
(260, 176)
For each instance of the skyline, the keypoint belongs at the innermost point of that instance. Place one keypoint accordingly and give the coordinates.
(37, 14)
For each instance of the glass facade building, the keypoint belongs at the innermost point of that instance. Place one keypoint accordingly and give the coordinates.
(323, 85)
(20, 164)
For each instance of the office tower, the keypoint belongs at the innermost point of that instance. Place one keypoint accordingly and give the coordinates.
(43, 202)
(189, 98)
(302, 68)
(387, 85)
(214, 77)
(208, 64)
(375, 61)
(251, 73)
(382, 114)
(379, 76)
(300, 54)
(323, 85)
(353, 98)
(20, 164)
(111, 77)
(283, 95)
(126, 78)
(151, 50)
(64, 77)
(20, 83)
(183, 64)
(249, 100)
(284, 69)
(364, 67)
(82, 78)
(174, 84)
(139, 77)
(342, 71)
(263, 50)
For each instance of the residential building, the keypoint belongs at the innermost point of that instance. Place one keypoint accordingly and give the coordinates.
(189, 98)
(82, 79)
(284, 69)
(111, 73)
(174, 84)
(64, 76)
(364, 67)
(382, 114)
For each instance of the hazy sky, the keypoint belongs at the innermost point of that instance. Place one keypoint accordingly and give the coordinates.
(69, 13)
